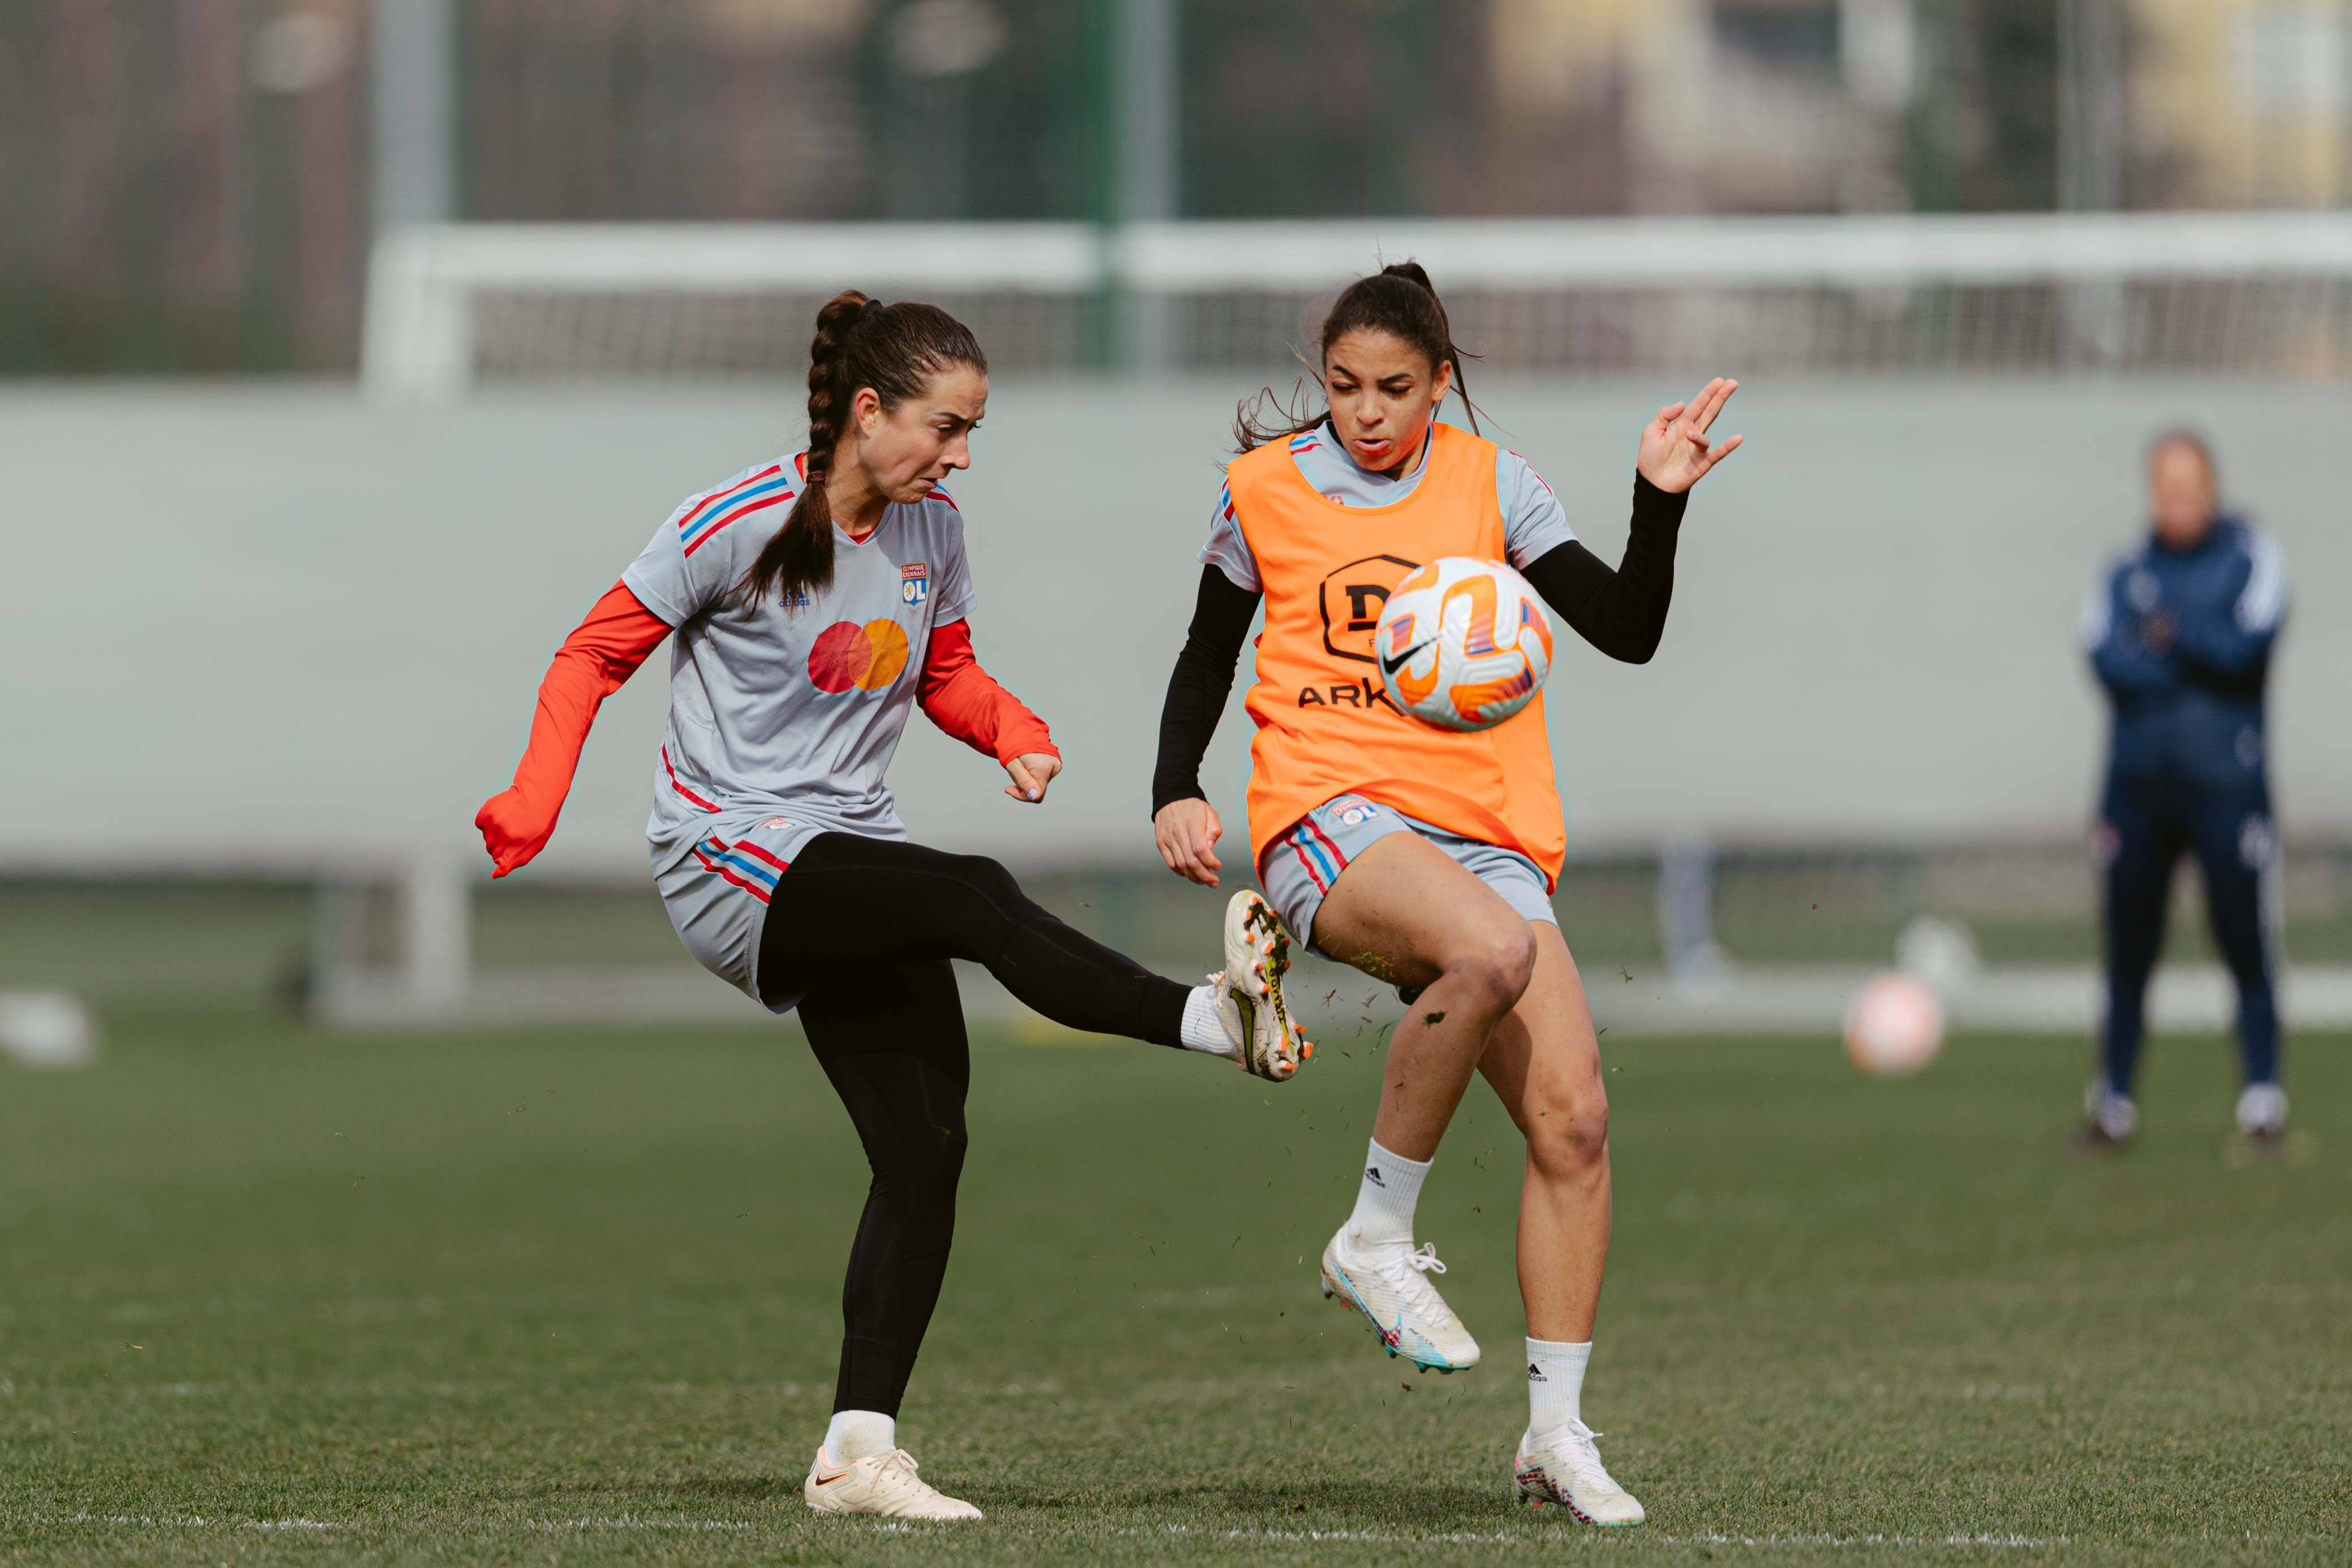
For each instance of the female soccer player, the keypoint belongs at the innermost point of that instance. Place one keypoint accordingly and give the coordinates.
(817, 598)
(1423, 857)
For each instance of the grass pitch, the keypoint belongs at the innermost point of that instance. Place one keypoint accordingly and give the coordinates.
(271, 1296)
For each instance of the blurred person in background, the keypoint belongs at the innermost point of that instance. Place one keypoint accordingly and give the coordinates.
(2179, 630)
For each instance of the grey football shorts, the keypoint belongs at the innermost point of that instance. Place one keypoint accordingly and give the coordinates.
(1302, 863)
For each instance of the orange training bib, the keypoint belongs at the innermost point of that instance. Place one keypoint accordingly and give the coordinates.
(1326, 726)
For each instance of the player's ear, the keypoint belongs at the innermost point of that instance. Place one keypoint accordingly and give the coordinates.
(865, 409)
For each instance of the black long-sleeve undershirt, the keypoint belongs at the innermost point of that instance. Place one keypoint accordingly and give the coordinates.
(1621, 613)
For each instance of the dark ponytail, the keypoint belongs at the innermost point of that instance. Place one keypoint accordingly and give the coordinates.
(860, 343)
(1398, 300)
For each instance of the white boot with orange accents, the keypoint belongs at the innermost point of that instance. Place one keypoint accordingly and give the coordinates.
(1248, 994)
(883, 1484)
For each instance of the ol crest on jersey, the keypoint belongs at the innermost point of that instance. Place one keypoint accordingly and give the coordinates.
(915, 582)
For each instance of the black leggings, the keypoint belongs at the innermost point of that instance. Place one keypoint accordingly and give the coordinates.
(861, 930)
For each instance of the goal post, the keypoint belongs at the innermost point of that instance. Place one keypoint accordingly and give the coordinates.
(426, 284)
(2242, 294)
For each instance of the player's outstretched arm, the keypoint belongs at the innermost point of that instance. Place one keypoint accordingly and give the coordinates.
(1621, 613)
(1183, 824)
(602, 654)
(968, 703)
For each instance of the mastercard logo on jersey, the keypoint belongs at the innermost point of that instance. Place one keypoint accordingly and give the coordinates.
(847, 656)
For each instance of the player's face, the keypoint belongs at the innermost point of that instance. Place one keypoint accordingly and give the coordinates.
(1383, 393)
(908, 450)
(2180, 499)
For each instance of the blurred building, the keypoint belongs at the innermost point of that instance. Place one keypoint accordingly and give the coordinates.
(185, 184)
(2252, 99)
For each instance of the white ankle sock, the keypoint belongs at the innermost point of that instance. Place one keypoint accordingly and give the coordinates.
(1202, 1030)
(1555, 1383)
(859, 1434)
(1385, 1199)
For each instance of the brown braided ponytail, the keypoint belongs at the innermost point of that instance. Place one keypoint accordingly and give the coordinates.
(1398, 299)
(860, 343)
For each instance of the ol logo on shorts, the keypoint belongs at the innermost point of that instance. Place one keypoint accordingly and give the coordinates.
(849, 656)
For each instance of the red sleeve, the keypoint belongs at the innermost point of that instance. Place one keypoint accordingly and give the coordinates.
(964, 700)
(605, 650)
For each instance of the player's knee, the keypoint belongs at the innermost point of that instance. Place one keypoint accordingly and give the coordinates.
(946, 1165)
(987, 876)
(927, 1162)
(1494, 966)
(1569, 1139)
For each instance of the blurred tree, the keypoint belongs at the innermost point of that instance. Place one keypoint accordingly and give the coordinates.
(1330, 108)
(1982, 134)
(182, 185)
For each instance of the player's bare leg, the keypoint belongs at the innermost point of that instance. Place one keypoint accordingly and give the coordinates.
(1404, 911)
(1544, 1063)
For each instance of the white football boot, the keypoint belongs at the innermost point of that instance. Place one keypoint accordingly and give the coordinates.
(2261, 1113)
(883, 1484)
(1390, 1285)
(2109, 1120)
(1249, 992)
(1563, 1468)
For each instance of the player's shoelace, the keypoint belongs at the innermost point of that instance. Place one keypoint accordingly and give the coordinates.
(1409, 1271)
(899, 1466)
(1575, 1446)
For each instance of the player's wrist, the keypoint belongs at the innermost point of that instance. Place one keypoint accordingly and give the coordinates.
(1163, 799)
(1653, 505)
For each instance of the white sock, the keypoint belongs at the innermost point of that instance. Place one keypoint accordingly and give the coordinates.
(1555, 1383)
(1202, 1030)
(1385, 1199)
(860, 1434)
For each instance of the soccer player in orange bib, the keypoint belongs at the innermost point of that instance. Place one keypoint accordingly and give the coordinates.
(1423, 857)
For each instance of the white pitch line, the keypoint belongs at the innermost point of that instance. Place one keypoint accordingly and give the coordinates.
(1702, 1538)
(179, 1522)
(2011, 1542)
(631, 1521)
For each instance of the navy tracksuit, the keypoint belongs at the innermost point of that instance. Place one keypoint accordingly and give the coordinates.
(2181, 640)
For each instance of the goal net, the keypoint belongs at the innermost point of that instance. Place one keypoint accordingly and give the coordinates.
(2248, 295)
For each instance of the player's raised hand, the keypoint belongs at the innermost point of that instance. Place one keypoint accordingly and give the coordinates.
(1031, 774)
(1187, 833)
(1674, 454)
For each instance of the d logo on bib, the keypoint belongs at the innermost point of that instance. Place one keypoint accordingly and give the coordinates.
(1352, 596)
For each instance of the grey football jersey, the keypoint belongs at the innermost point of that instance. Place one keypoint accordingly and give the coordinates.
(785, 715)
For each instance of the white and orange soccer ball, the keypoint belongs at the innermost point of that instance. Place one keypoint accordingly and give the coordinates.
(1463, 643)
(1893, 1026)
